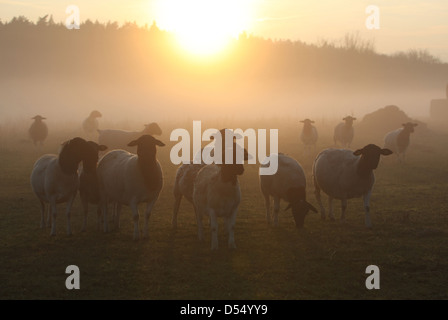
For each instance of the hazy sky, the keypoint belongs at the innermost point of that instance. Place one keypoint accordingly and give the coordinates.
(409, 24)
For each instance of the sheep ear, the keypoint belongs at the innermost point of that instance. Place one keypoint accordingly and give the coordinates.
(311, 207)
(415, 124)
(345, 118)
(133, 143)
(386, 152)
(303, 121)
(358, 152)
(312, 121)
(102, 147)
(353, 118)
(159, 143)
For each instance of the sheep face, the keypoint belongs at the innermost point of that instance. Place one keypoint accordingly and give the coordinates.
(146, 144)
(300, 207)
(91, 157)
(76, 150)
(153, 129)
(409, 127)
(307, 121)
(38, 118)
(95, 114)
(370, 155)
(349, 120)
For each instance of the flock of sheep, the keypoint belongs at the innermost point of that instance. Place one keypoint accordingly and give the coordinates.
(124, 178)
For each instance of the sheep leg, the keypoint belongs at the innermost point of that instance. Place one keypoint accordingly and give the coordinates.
(117, 215)
(330, 208)
(149, 207)
(214, 228)
(42, 216)
(53, 216)
(85, 208)
(267, 202)
(177, 201)
(199, 222)
(366, 199)
(319, 201)
(67, 213)
(135, 217)
(49, 216)
(105, 224)
(343, 208)
(276, 209)
(98, 212)
(231, 229)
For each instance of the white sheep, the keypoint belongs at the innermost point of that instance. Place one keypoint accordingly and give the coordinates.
(184, 185)
(90, 124)
(88, 185)
(343, 174)
(119, 139)
(38, 131)
(216, 194)
(398, 140)
(344, 132)
(54, 178)
(309, 135)
(129, 179)
(289, 184)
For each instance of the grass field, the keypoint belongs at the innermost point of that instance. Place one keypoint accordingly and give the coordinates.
(327, 260)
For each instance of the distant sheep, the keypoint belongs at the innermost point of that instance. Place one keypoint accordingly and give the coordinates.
(54, 178)
(344, 132)
(129, 179)
(38, 131)
(90, 124)
(398, 140)
(88, 184)
(216, 194)
(119, 139)
(289, 184)
(343, 175)
(309, 135)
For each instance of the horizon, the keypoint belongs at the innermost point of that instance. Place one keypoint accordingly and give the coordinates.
(416, 25)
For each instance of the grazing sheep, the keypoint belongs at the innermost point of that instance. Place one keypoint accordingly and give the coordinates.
(129, 179)
(344, 132)
(308, 135)
(119, 139)
(398, 140)
(343, 174)
(216, 194)
(38, 131)
(289, 184)
(54, 178)
(88, 184)
(90, 124)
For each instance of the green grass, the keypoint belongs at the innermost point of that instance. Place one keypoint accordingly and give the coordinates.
(327, 260)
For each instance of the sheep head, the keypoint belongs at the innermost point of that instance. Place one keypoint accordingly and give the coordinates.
(300, 207)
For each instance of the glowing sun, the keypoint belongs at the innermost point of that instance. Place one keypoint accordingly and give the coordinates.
(204, 27)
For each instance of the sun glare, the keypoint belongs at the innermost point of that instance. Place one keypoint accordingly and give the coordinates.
(204, 27)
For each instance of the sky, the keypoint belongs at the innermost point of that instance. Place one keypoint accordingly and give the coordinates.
(403, 25)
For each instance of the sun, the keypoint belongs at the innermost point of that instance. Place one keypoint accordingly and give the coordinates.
(204, 27)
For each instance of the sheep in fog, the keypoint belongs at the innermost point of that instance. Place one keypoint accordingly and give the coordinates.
(129, 179)
(90, 124)
(54, 178)
(289, 184)
(217, 193)
(309, 135)
(183, 186)
(344, 132)
(88, 184)
(119, 139)
(38, 131)
(398, 140)
(343, 174)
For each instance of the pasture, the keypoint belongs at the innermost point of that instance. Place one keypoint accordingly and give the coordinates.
(326, 260)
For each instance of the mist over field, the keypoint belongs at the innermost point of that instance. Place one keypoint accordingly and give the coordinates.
(131, 73)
